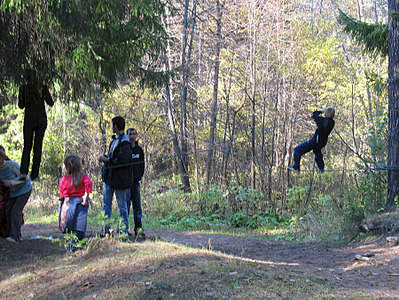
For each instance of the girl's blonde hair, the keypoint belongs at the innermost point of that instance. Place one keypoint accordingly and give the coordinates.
(329, 112)
(73, 167)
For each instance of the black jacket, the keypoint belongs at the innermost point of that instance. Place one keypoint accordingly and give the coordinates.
(324, 128)
(138, 162)
(118, 169)
(32, 99)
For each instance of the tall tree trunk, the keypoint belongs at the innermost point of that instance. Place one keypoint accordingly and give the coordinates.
(393, 105)
(175, 142)
(172, 125)
(252, 61)
(210, 160)
(183, 99)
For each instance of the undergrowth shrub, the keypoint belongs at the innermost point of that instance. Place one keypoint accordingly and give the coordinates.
(44, 196)
(194, 222)
(255, 221)
(319, 217)
(296, 198)
(316, 224)
(171, 202)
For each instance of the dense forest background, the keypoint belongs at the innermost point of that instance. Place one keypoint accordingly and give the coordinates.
(220, 132)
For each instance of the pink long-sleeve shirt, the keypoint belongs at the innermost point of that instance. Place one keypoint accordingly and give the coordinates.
(69, 190)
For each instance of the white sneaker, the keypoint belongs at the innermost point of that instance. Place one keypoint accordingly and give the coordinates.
(11, 239)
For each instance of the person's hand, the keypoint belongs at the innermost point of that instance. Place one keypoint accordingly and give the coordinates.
(84, 199)
(66, 200)
(103, 158)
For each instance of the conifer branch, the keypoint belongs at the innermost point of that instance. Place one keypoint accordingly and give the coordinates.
(372, 37)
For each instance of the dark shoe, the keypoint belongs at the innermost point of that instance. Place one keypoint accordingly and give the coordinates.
(321, 171)
(103, 233)
(71, 248)
(292, 168)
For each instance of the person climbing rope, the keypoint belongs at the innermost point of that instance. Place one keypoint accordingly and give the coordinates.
(324, 127)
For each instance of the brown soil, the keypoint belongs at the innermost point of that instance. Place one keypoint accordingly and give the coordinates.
(379, 273)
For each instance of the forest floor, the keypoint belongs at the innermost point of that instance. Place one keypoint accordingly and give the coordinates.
(189, 265)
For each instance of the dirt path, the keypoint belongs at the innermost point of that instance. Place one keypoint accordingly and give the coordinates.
(380, 271)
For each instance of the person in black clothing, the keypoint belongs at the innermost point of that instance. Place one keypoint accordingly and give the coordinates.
(138, 171)
(117, 174)
(324, 127)
(32, 97)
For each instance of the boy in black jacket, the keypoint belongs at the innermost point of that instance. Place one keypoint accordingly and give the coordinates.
(324, 127)
(138, 171)
(117, 175)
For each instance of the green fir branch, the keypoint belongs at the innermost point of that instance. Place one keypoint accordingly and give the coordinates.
(373, 37)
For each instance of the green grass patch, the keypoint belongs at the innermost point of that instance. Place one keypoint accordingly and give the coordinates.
(34, 216)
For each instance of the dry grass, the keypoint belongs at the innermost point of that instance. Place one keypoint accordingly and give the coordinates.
(110, 269)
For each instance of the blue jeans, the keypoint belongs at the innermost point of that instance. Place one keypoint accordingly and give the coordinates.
(135, 200)
(122, 196)
(77, 214)
(305, 147)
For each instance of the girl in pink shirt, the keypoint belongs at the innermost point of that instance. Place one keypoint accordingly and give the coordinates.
(74, 188)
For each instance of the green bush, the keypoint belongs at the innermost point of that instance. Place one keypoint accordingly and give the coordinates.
(296, 197)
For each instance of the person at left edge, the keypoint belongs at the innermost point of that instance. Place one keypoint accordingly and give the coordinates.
(20, 190)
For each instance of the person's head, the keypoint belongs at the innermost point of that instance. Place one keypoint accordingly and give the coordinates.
(118, 125)
(132, 133)
(73, 167)
(3, 157)
(31, 77)
(329, 112)
(4, 151)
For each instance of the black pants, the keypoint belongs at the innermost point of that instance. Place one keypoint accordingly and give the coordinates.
(14, 215)
(135, 200)
(305, 147)
(33, 129)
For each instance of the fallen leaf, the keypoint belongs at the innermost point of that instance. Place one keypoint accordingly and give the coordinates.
(362, 258)
(368, 254)
(88, 283)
